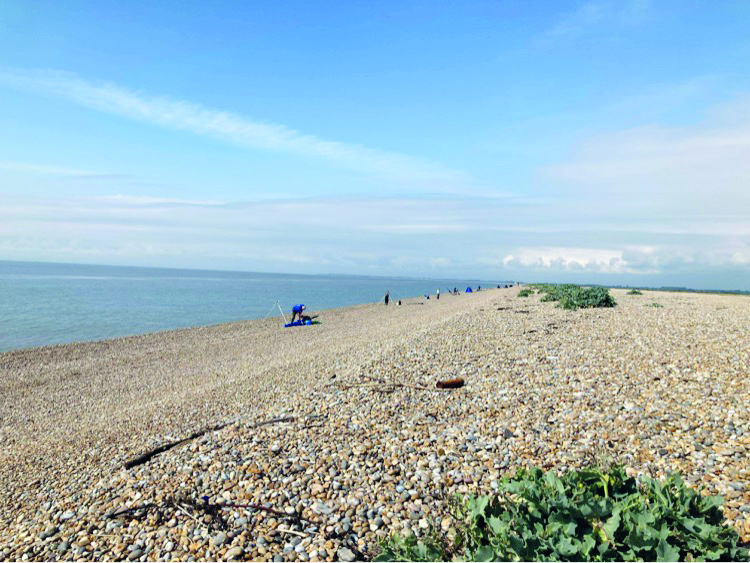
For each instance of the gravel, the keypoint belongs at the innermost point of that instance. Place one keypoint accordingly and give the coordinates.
(659, 389)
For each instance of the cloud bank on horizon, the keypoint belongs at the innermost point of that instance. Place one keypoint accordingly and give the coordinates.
(388, 157)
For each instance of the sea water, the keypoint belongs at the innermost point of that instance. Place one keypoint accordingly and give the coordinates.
(43, 304)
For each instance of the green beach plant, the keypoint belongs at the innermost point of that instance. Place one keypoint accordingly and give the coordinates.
(525, 292)
(573, 297)
(591, 514)
(634, 292)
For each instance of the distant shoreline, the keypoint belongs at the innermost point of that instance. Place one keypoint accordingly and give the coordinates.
(47, 304)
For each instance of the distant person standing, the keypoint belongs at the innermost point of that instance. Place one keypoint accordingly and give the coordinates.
(387, 297)
(438, 294)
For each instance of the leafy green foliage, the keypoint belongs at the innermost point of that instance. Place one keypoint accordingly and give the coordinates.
(634, 292)
(586, 515)
(400, 548)
(571, 296)
(525, 292)
(655, 305)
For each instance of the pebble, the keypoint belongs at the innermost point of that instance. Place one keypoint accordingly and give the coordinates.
(63, 547)
(219, 539)
(49, 532)
(234, 553)
(346, 554)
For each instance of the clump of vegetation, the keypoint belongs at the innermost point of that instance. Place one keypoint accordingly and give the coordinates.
(655, 305)
(591, 514)
(525, 292)
(571, 296)
(634, 292)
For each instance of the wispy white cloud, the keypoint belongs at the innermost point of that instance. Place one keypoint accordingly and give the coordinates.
(45, 170)
(593, 14)
(140, 201)
(336, 235)
(230, 127)
(697, 170)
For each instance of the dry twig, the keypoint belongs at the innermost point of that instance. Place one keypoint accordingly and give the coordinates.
(143, 458)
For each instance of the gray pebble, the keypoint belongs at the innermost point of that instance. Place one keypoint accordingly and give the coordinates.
(63, 547)
(346, 554)
(49, 532)
(219, 539)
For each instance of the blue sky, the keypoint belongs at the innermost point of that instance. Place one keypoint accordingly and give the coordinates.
(600, 141)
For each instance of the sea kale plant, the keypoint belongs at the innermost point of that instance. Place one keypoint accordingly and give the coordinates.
(525, 292)
(585, 515)
(571, 296)
(634, 292)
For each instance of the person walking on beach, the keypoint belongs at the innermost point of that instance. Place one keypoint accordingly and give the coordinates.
(297, 311)
(387, 297)
(438, 293)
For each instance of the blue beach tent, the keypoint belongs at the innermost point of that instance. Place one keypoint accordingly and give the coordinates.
(468, 290)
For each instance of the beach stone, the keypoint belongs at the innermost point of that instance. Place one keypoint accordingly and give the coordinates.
(234, 553)
(135, 554)
(49, 532)
(346, 554)
(219, 539)
(63, 547)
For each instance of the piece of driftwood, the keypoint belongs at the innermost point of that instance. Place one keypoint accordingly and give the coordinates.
(380, 386)
(293, 532)
(450, 383)
(143, 458)
(208, 508)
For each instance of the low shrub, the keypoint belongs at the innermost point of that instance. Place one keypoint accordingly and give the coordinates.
(525, 292)
(634, 292)
(571, 296)
(585, 515)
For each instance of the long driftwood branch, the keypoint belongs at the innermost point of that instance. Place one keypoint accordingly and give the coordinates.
(206, 507)
(380, 386)
(143, 458)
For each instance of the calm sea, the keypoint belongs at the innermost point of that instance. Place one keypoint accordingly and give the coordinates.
(43, 304)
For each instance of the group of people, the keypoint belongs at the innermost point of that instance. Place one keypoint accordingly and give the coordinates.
(298, 309)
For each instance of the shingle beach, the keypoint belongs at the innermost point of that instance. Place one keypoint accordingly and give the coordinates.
(323, 455)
